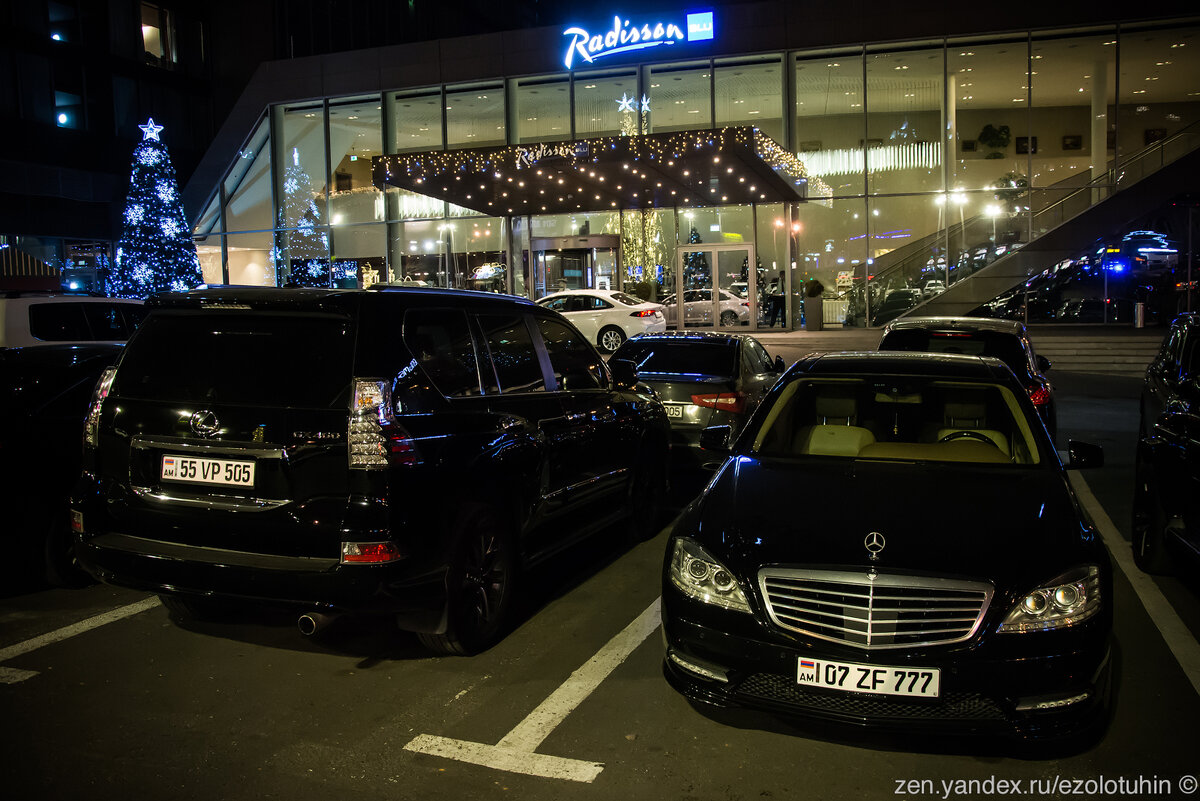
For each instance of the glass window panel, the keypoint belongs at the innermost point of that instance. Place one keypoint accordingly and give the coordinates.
(988, 98)
(829, 121)
(208, 250)
(210, 220)
(359, 255)
(512, 352)
(250, 259)
(598, 103)
(441, 341)
(1158, 86)
(301, 185)
(417, 253)
(680, 97)
(751, 93)
(647, 252)
(355, 137)
(475, 116)
(416, 121)
(248, 185)
(484, 242)
(575, 363)
(904, 120)
(829, 238)
(543, 109)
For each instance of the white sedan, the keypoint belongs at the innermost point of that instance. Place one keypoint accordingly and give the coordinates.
(606, 317)
(698, 308)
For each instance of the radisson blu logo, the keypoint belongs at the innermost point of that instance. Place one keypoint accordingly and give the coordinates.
(625, 37)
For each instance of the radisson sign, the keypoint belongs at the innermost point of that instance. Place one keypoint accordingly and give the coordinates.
(624, 36)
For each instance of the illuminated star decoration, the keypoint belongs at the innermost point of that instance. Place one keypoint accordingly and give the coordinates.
(645, 105)
(625, 103)
(150, 130)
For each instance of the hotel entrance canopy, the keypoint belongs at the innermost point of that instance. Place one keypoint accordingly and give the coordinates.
(735, 165)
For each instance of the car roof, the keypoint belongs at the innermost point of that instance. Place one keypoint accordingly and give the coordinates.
(305, 298)
(915, 363)
(1014, 327)
(606, 293)
(692, 336)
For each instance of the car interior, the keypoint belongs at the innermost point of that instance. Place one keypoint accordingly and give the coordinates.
(898, 419)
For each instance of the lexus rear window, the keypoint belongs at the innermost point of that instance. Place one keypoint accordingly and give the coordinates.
(681, 357)
(1005, 347)
(255, 359)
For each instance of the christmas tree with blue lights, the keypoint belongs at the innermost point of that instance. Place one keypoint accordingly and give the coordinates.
(156, 252)
(306, 255)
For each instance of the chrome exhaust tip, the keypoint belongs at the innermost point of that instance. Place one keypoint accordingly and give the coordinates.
(311, 623)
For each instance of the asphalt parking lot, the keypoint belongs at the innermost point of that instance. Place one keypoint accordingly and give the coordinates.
(105, 696)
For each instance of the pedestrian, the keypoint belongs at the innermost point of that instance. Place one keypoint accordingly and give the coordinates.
(776, 305)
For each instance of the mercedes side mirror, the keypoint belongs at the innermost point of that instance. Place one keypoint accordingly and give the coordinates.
(1083, 455)
(779, 365)
(624, 373)
(715, 438)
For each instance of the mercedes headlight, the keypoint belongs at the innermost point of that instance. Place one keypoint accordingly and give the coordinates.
(698, 575)
(1069, 600)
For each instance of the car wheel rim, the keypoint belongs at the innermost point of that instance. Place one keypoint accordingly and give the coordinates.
(485, 580)
(611, 340)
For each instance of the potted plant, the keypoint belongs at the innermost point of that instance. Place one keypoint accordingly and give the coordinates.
(995, 138)
(814, 305)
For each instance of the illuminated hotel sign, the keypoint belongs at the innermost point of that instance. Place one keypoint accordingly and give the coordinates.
(625, 37)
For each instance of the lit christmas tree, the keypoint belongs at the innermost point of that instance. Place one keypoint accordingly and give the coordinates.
(696, 272)
(156, 251)
(306, 254)
(642, 248)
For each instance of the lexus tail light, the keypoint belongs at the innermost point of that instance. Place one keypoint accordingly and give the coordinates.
(91, 431)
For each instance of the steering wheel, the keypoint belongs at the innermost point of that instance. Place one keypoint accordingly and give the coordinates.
(975, 435)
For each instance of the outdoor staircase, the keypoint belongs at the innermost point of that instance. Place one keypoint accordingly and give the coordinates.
(1121, 353)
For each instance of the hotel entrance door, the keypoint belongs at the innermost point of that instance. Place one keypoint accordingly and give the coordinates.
(717, 285)
(575, 262)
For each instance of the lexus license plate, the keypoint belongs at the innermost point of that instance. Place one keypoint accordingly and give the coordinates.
(916, 682)
(197, 470)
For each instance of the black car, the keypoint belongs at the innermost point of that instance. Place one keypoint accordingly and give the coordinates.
(703, 379)
(1166, 513)
(896, 303)
(44, 394)
(892, 542)
(404, 451)
(1007, 340)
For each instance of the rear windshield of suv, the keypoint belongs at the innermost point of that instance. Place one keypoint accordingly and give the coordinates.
(296, 360)
(1005, 347)
(681, 357)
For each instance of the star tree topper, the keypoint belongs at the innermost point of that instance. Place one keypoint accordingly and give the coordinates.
(150, 130)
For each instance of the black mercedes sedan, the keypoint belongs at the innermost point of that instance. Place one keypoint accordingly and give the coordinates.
(892, 543)
(703, 379)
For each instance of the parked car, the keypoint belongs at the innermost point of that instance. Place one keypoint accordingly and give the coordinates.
(703, 379)
(1007, 340)
(932, 288)
(1166, 512)
(698, 308)
(896, 303)
(605, 316)
(44, 394)
(41, 318)
(403, 451)
(813, 577)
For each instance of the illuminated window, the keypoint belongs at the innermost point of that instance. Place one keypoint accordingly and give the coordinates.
(158, 35)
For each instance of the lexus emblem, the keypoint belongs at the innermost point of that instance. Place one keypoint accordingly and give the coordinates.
(874, 543)
(205, 423)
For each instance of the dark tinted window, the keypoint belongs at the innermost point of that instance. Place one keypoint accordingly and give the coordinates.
(440, 341)
(258, 359)
(576, 365)
(1005, 347)
(115, 321)
(58, 322)
(593, 303)
(558, 304)
(758, 356)
(511, 348)
(681, 356)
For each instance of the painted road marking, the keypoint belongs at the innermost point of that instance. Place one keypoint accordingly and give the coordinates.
(515, 752)
(14, 675)
(1179, 639)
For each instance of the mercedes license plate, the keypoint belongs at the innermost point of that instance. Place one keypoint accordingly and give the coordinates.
(918, 682)
(674, 410)
(197, 470)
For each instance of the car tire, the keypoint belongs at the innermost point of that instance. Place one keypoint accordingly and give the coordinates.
(480, 586)
(610, 338)
(197, 608)
(62, 566)
(1149, 529)
(729, 319)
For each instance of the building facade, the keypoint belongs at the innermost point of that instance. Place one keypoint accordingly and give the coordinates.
(911, 155)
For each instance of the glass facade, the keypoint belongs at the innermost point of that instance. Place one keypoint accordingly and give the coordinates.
(926, 162)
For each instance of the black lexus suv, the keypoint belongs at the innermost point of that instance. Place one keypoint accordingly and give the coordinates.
(404, 451)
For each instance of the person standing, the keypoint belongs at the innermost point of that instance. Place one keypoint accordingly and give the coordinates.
(776, 305)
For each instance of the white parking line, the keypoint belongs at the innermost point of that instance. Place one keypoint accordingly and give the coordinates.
(1179, 639)
(515, 752)
(14, 675)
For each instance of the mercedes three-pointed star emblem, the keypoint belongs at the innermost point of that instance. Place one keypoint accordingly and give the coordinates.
(874, 543)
